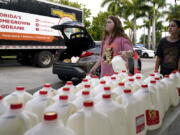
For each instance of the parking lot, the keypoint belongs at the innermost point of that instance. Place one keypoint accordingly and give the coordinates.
(13, 74)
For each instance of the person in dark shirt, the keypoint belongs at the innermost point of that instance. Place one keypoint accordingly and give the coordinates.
(168, 51)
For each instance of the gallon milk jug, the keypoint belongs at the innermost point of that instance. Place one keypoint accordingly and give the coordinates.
(107, 90)
(138, 74)
(149, 78)
(19, 95)
(65, 91)
(157, 74)
(157, 100)
(106, 78)
(87, 87)
(99, 88)
(172, 90)
(117, 75)
(123, 74)
(94, 81)
(88, 121)
(63, 108)
(138, 81)
(83, 97)
(134, 114)
(116, 114)
(145, 96)
(174, 77)
(164, 91)
(113, 82)
(132, 85)
(47, 87)
(119, 89)
(3, 106)
(69, 84)
(118, 63)
(129, 76)
(38, 104)
(50, 125)
(81, 85)
(16, 121)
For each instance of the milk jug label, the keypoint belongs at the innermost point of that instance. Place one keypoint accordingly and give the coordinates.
(178, 91)
(140, 123)
(152, 117)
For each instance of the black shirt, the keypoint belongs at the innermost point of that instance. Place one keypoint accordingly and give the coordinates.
(169, 52)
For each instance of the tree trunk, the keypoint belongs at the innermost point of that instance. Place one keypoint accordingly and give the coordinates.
(149, 36)
(134, 30)
(154, 30)
(144, 37)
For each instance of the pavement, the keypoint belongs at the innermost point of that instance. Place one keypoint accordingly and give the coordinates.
(32, 78)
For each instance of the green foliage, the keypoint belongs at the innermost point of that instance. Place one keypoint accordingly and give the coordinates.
(98, 23)
(67, 2)
(86, 12)
(173, 12)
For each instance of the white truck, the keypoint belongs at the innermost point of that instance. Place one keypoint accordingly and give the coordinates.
(25, 30)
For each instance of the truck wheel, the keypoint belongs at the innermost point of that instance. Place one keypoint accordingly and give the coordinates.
(145, 55)
(64, 78)
(43, 59)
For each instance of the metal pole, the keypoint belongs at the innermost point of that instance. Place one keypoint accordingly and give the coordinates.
(175, 8)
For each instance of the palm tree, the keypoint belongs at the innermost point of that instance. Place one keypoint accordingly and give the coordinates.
(155, 6)
(173, 12)
(127, 8)
(113, 6)
(128, 24)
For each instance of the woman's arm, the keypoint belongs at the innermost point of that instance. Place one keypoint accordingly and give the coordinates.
(93, 69)
(157, 63)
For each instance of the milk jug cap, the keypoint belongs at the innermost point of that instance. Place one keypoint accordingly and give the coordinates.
(20, 88)
(1, 97)
(85, 92)
(94, 76)
(144, 86)
(153, 81)
(121, 84)
(66, 89)
(124, 71)
(107, 88)
(166, 76)
(49, 116)
(63, 97)
(43, 92)
(127, 91)
(102, 82)
(87, 86)
(85, 80)
(47, 85)
(15, 106)
(157, 78)
(116, 73)
(69, 83)
(88, 103)
(106, 96)
(138, 77)
(131, 80)
(113, 78)
(152, 74)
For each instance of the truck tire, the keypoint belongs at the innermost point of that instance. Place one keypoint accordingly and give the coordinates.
(145, 55)
(43, 59)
